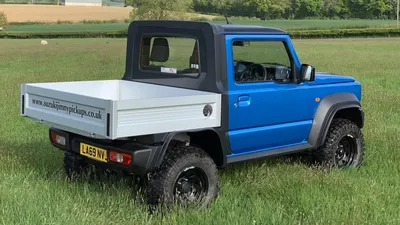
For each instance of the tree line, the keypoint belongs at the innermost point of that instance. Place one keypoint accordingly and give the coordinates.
(283, 9)
(300, 9)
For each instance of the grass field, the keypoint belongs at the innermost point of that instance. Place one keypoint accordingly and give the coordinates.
(33, 189)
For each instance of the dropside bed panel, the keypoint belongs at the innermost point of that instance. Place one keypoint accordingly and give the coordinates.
(115, 109)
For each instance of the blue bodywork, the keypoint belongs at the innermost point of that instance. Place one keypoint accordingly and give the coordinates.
(265, 116)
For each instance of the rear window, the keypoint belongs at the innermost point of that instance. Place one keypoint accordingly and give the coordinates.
(170, 55)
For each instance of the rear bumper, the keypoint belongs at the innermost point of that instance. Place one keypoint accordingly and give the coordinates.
(141, 155)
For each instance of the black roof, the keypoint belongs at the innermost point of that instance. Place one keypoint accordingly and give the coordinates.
(217, 28)
(234, 28)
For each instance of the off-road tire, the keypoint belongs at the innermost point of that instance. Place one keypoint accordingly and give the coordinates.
(74, 165)
(162, 180)
(341, 130)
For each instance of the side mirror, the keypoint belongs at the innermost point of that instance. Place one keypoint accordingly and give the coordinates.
(307, 72)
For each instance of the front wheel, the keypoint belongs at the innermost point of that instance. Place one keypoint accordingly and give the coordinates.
(343, 146)
(188, 176)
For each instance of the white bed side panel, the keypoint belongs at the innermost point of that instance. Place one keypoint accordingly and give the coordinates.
(152, 116)
(133, 108)
(65, 109)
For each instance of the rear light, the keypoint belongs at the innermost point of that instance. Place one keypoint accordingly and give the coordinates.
(120, 158)
(58, 139)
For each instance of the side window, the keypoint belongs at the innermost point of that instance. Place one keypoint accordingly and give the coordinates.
(261, 61)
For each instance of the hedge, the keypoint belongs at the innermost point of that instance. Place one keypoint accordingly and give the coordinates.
(343, 33)
(295, 34)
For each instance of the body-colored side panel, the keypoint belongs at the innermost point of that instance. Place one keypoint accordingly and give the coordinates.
(322, 91)
(266, 114)
(269, 136)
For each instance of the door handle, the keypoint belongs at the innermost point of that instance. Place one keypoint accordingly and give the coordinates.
(244, 101)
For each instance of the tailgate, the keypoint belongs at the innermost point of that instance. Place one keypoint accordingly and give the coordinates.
(67, 110)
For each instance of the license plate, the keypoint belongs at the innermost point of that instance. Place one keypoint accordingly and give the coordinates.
(93, 152)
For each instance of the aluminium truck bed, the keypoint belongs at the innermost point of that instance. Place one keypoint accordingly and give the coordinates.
(116, 109)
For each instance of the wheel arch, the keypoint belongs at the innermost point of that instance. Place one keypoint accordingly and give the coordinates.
(209, 140)
(340, 105)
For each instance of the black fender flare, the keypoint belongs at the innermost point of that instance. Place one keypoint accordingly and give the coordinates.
(159, 152)
(325, 113)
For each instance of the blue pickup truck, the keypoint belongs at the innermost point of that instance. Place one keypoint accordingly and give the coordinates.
(196, 97)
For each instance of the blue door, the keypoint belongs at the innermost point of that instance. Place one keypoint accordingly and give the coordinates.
(267, 108)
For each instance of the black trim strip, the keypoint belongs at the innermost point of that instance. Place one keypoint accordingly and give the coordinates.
(108, 124)
(275, 152)
(23, 104)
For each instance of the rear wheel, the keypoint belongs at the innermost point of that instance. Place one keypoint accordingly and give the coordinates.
(188, 176)
(343, 146)
(74, 165)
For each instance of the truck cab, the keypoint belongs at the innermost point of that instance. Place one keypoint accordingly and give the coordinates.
(198, 96)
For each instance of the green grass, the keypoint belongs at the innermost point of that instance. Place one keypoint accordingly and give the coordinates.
(283, 24)
(33, 188)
